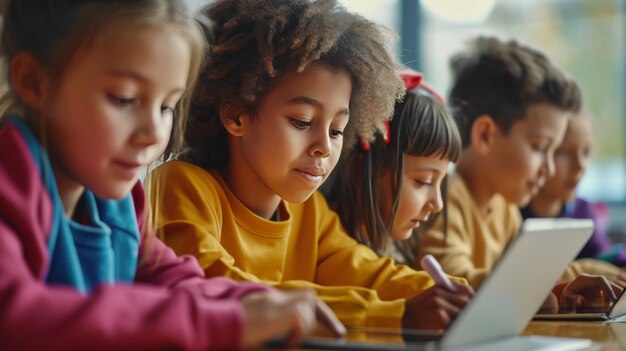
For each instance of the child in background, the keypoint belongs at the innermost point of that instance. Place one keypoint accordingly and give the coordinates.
(513, 106)
(94, 89)
(288, 83)
(557, 197)
(385, 190)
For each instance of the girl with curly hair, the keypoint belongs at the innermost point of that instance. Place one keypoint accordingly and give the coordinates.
(287, 85)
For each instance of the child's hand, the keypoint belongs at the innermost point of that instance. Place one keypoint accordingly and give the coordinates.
(619, 279)
(551, 305)
(436, 307)
(588, 291)
(291, 315)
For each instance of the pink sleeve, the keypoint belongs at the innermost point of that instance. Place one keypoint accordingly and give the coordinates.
(175, 309)
(38, 316)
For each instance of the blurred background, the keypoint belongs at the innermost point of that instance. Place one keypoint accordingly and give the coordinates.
(585, 38)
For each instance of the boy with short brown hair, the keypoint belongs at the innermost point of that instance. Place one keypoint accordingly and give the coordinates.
(512, 106)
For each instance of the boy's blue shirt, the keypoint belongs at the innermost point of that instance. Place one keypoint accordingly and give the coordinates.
(103, 251)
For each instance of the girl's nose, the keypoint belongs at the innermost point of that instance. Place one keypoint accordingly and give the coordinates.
(152, 126)
(321, 147)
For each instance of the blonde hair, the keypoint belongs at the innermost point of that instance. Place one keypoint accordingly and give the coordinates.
(52, 31)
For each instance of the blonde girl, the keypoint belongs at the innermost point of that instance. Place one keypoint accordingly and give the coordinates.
(96, 87)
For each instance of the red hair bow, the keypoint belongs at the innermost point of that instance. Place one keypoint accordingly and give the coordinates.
(412, 80)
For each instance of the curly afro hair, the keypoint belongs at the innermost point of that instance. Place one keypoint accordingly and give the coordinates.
(254, 42)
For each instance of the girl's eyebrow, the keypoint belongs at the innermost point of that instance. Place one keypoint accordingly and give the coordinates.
(138, 77)
(305, 100)
(419, 168)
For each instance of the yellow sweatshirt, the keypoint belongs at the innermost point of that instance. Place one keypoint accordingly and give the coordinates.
(197, 214)
(476, 240)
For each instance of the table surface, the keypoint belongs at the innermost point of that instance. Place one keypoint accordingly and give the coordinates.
(606, 336)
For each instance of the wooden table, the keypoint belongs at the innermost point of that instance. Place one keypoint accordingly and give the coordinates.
(607, 336)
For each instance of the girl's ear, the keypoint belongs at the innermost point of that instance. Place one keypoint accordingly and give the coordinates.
(233, 122)
(482, 134)
(29, 80)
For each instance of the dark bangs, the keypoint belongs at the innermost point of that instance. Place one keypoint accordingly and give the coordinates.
(434, 132)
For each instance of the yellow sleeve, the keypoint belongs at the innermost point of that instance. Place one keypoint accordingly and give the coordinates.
(343, 261)
(453, 250)
(474, 240)
(353, 305)
(188, 219)
(590, 266)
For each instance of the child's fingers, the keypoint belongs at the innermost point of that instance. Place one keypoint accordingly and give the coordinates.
(570, 302)
(551, 304)
(608, 289)
(619, 279)
(446, 311)
(457, 299)
(328, 318)
(617, 289)
(443, 319)
(301, 307)
(601, 297)
(303, 324)
(592, 287)
(451, 309)
(464, 289)
(577, 301)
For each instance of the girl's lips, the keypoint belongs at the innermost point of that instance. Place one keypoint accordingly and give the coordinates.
(313, 171)
(129, 164)
(417, 222)
(312, 177)
(131, 169)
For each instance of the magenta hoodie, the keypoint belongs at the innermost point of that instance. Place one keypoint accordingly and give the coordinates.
(170, 304)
